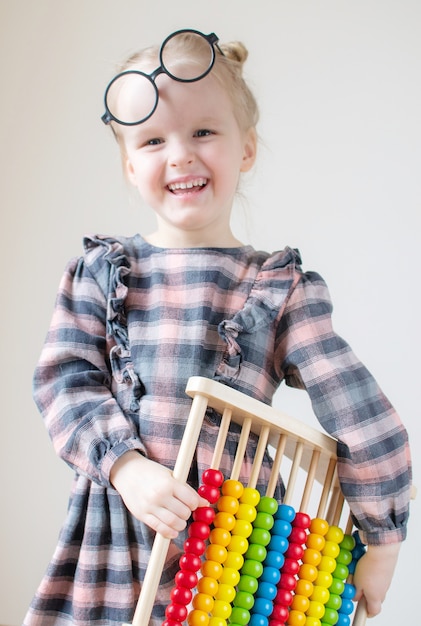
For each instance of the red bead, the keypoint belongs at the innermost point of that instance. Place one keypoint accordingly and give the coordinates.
(194, 545)
(210, 493)
(279, 613)
(290, 566)
(190, 562)
(171, 622)
(287, 581)
(302, 520)
(199, 530)
(184, 578)
(204, 514)
(297, 535)
(294, 551)
(177, 612)
(284, 597)
(181, 595)
(212, 477)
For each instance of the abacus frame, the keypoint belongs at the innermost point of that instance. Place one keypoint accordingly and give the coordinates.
(304, 448)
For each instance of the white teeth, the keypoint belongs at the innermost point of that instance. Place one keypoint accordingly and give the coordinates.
(198, 182)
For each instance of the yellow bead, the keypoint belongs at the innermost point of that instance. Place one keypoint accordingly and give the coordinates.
(246, 512)
(203, 602)
(312, 557)
(238, 544)
(320, 594)
(324, 579)
(229, 576)
(300, 603)
(308, 572)
(315, 541)
(222, 609)
(335, 534)
(312, 621)
(224, 520)
(327, 564)
(250, 496)
(228, 504)
(296, 618)
(217, 621)
(211, 569)
(319, 526)
(234, 560)
(242, 527)
(220, 536)
(207, 586)
(233, 488)
(304, 587)
(216, 553)
(316, 609)
(225, 592)
(198, 618)
(331, 549)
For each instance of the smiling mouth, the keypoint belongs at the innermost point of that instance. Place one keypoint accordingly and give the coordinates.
(188, 186)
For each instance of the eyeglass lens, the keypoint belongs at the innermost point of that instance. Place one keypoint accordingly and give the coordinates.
(132, 96)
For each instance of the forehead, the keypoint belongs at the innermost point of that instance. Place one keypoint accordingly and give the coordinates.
(176, 100)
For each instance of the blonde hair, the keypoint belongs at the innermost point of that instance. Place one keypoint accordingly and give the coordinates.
(227, 70)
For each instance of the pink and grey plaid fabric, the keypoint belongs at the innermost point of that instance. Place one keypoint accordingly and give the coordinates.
(132, 322)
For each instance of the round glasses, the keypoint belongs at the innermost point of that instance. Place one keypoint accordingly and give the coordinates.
(132, 96)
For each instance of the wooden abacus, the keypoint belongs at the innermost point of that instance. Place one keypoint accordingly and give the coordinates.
(303, 558)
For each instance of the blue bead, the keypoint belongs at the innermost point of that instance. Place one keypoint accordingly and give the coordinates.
(285, 512)
(274, 559)
(278, 544)
(281, 527)
(343, 620)
(266, 590)
(348, 592)
(347, 606)
(258, 620)
(262, 607)
(270, 574)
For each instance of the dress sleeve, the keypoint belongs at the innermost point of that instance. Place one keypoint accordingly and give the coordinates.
(73, 382)
(374, 464)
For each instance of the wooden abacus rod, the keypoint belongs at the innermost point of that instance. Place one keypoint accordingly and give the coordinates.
(221, 439)
(294, 471)
(326, 488)
(241, 448)
(310, 480)
(276, 467)
(258, 457)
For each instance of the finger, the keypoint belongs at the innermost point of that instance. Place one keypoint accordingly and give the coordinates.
(189, 496)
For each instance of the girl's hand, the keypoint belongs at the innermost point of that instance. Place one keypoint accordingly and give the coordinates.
(373, 575)
(152, 495)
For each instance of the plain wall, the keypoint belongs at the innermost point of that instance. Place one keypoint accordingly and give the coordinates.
(338, 176)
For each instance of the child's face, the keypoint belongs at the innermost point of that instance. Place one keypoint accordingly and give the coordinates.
(187, 158)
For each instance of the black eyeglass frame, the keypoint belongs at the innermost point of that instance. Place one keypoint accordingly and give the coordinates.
(212, 40)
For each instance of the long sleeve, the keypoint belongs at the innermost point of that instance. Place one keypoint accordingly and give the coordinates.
(73, 382)
(374, 464)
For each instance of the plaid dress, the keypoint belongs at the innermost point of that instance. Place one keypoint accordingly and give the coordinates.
(131, 324)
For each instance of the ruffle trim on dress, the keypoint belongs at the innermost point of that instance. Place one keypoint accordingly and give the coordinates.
(266, 300)
(112, 278)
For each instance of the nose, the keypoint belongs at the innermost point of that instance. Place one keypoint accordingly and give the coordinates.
(181, 153)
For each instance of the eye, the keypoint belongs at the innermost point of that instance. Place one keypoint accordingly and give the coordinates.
(156, 141)
(203, 132)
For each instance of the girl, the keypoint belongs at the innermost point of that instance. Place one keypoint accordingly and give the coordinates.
(136, 317)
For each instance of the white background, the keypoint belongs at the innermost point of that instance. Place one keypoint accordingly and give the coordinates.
(338, 176)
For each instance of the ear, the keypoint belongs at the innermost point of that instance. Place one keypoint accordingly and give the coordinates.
(129, 170)
(250, 150)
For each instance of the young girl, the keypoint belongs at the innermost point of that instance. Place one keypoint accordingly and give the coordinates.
(136, 317)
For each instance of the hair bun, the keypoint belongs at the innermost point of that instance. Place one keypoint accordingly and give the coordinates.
(235, 51)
